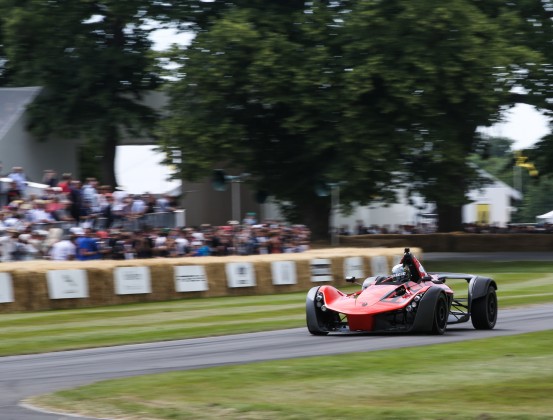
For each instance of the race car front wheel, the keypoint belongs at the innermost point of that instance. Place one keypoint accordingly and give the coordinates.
(441, 313)
(314, 315)
(484, 310)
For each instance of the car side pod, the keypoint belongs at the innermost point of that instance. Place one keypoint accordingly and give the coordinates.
(433, 312)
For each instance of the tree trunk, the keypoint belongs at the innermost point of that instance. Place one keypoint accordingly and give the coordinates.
(315, 214)
(453, 183)
(450, 217)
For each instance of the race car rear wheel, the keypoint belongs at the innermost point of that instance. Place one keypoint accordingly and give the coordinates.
(484, 311)
(441, 313)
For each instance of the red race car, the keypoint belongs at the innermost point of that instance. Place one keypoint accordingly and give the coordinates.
(409, 300)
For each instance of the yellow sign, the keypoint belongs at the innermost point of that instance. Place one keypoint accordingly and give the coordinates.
(522, 161)
(483, 214)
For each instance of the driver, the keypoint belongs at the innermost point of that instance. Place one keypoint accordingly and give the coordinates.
(400, 273)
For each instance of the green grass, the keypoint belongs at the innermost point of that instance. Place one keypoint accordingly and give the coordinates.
(498, 378)
(520, 283)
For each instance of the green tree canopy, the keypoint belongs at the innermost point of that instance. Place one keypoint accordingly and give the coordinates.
(92, 59)
(374, 93)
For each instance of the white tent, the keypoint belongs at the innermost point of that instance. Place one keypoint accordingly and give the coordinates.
(547, 217)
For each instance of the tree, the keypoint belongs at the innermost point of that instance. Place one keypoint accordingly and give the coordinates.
(93, 60)
(363, 92)
(4, 64)
(263, 92)
(447, 69)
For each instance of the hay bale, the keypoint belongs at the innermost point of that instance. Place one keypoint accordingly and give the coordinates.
(31, 292)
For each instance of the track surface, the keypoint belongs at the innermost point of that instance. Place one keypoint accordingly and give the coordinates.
(23, 376)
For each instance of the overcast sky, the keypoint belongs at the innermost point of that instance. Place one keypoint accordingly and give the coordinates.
(138, 169)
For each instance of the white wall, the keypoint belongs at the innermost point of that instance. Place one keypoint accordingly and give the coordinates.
(497, 197)
(19, 148)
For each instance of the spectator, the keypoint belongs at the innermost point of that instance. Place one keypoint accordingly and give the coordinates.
(38, 214)
(87, 245)
(18, 176)
(75, 196)
(161, 245)
(143, 245)
(64, 249)
(65, 183)
(50, 178)
(13, 193)
(182, 244)
(166, 203)
(8, 244)
(108, 212)
(2, 189)
(200, 249)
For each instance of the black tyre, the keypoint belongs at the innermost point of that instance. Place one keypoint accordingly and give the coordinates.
(313, 314)
(484, 311)
(441, 313)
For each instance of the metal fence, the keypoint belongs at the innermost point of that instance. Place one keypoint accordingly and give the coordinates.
(150, 220)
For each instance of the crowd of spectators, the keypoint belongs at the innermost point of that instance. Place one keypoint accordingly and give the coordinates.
(509, 228)
(373, 229)
(70, 219)
(421, 228)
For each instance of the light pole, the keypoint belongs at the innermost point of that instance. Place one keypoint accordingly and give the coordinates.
(219, 184)
(236, 198)
(335, 205)
(322, 191)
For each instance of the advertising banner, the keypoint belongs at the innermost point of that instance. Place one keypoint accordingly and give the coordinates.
(6, 288)
(284, 272)
(190, 278)
(379, 266)
(132, 280)
(353, 267)
(240, 274)
(321, 270)
(67, 284)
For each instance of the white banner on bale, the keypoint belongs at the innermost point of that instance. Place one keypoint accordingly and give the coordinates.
(284, 272)
(132, 280)
(240, 274)
(353, 267)
(67, 284)
(190, 278)
(6, 288)
(321, 270)
(379, 266)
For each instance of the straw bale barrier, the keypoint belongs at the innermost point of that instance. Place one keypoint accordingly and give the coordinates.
(457, 242)
(45, 285)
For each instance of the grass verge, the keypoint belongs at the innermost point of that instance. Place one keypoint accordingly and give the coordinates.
(498, 378)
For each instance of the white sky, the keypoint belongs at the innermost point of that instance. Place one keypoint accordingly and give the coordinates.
(138, 168)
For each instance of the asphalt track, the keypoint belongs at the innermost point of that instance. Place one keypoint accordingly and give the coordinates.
(24, 376)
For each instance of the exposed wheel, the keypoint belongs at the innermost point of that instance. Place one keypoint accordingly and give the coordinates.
(441, 313)
(484, 311)
(313, 314)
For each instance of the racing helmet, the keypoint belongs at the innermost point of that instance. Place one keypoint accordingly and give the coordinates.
(400, 273)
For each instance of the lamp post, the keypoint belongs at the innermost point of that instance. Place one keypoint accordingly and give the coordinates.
(322, 191)
(219, 184)
(335, 205)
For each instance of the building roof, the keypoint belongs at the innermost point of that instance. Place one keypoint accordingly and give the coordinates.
(13, 102)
